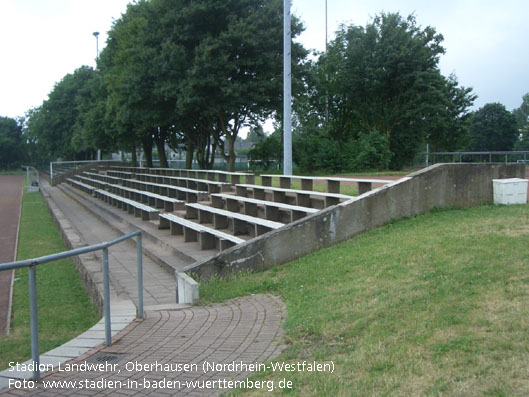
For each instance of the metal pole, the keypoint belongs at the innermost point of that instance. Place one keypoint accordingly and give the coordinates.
(34, 321)
(140, 276)
(51, 172)
(106, 303)
(325, 26)
(287, 91)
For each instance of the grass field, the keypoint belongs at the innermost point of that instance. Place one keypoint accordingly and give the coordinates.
(432, 305)
(65, 309)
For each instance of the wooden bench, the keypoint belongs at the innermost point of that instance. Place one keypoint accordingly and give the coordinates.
(83, 186)
(242, 224)
(120, 174)
(302, 197)
(181, 193)
(212, 175)
(207, 238)
(190, 183)
(333, 183)
(235, 177)
(271, 208)
(167, 203)
(92, 182)
(132, 207)
(103, 177)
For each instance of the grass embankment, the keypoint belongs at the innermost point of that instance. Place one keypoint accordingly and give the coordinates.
(65, 309)
(432, 305)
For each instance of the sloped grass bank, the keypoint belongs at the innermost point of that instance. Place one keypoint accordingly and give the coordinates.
(64, 308)
(432, 305)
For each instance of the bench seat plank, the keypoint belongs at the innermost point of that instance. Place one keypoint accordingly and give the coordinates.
(205, 236)
(302, 196)
(242, 224)
(132, 207)
(271, 207)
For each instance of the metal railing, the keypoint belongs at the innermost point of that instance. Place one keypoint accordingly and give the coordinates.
(31, 264)
(479, 157)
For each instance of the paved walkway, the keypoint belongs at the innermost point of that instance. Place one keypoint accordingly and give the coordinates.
(10, 196)
(143, 360)
(159, 285)
(213, 340)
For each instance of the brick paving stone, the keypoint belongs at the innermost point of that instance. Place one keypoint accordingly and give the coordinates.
(230, 332)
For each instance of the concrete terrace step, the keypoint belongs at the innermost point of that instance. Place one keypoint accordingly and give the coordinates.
(167, 251)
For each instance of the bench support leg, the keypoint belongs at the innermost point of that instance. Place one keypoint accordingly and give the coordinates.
(364, 187)
(272, 213)
(207, 241)
(190, 235)
(333, 186)
(220, 222)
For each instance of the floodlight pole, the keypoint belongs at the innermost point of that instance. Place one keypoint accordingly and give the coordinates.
(325, 26)
(287, 91)
(96, 35)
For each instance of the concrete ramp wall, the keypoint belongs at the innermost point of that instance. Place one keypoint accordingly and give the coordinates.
(438, 186)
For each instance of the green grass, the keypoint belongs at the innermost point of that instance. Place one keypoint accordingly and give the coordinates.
(432, 305)
(64, 308)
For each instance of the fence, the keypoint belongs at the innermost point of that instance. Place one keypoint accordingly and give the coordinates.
(240, 165)
(32, 281)
(477, 157)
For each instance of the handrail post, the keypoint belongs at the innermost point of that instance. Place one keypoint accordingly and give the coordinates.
(34, 322)
(106, 303)
(140, 276)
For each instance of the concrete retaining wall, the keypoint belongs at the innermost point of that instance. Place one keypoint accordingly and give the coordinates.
(438, 186)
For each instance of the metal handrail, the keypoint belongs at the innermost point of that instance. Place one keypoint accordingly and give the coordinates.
(32, 281)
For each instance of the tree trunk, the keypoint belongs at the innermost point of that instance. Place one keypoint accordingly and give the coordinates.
(160, 146)
(189, 154)
(230, 161)
(147, 150)
(134, 158)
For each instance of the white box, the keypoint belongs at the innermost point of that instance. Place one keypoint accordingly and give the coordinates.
(510, 191)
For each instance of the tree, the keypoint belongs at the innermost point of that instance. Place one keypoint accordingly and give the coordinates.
(12, 148)
(385, 77)
(492, 128)
(266, 151)
(522, 123)
(221, 63)
(54, 124)
(522, 113)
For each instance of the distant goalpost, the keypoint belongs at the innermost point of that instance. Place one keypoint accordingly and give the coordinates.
(32, 179)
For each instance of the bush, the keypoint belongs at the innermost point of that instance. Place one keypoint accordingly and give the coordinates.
(372, 152)
(265, 154)
(320, 153)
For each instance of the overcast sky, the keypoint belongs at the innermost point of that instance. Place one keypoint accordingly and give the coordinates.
(486, 41)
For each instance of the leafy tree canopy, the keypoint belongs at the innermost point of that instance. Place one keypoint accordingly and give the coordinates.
(385, 77)
(492, 128)
(56, 125)
(12, 148)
